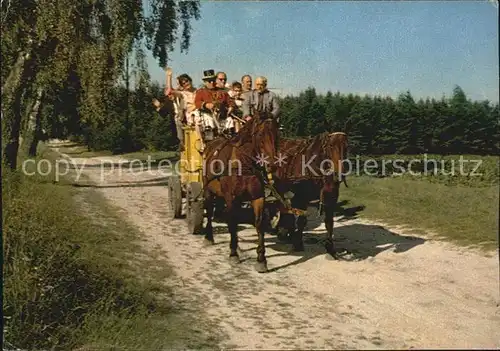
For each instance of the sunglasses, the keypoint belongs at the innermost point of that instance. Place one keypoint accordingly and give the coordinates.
(223, 79)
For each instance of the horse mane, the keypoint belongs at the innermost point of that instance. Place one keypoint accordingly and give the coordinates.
(245, 131)
(306, 144)
(338, 138)
(296, 150)
(239, 146)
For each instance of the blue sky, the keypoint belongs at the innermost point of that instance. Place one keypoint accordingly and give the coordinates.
(377, 48)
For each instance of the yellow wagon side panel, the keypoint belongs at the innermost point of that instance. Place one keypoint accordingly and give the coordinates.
(191, 161)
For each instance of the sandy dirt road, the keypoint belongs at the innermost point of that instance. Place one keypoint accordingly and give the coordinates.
(394, 291)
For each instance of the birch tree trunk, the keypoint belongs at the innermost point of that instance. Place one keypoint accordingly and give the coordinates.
(35, 123)
(14, 74)
(12, 93)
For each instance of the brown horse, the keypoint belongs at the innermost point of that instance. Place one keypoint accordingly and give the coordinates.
(240, 178)
(312, 170)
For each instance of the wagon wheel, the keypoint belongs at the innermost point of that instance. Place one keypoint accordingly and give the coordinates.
(195, 208)
(175, 196)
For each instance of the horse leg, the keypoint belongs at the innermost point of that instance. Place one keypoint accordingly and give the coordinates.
(331, 199)
(232, 225)
(258, 210)
(209, 206)
(287, 225)
(219, 210)
(300, 224)
(297, 240)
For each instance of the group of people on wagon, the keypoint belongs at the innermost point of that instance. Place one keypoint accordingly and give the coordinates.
(217, 107)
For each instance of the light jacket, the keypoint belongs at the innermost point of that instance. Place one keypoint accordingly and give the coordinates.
(269, 103)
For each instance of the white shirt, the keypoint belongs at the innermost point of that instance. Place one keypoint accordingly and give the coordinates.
(188, 97)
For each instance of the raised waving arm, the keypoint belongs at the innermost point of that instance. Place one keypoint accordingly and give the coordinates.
(168, 72)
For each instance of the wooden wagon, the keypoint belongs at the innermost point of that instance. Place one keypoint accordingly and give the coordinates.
(187, 182)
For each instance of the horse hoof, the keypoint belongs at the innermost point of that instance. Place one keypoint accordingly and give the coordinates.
(332, 254)
(208, 242)
(331, 257)
(331, 251)
(261, 267)
(233, 260)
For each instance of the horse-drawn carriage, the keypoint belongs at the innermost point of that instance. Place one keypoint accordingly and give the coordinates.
(201, 185)
(187, 181)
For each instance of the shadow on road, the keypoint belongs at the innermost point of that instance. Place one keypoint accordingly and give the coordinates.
(353, 242)
(345, 213)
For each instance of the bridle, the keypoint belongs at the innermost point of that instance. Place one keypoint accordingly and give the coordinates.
(256, 128)
(236, 144)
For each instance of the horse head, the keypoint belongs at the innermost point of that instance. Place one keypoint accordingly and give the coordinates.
(261, 136)
(265, 137)
(337, 152)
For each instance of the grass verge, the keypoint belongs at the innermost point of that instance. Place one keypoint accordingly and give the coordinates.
(75, 276)
(465, 170)
(465, 215)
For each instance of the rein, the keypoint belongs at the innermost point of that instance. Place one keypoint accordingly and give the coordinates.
(232, 141)
(325, 143)
(301, 150)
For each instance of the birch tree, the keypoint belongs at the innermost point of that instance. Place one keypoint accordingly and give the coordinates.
(46, 41)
